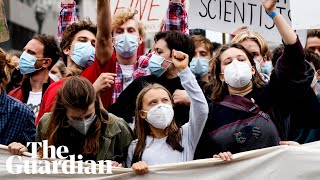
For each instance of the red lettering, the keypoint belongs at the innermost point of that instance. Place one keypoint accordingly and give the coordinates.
(117, 7)
(144, 8)
(151, 6)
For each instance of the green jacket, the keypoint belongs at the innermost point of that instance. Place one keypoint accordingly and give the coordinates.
(114, 140)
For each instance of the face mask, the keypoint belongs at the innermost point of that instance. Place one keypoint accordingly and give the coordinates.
(314, 81)
(258, 65)
(83, 54)
(27, 62)
(155, 65)
(126, 44)
(267, 68)
(160, 116)
(82, 126)
(237, 74)
(54, 77)
(199, 66)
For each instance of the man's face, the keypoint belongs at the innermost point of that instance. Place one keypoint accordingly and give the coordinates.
(129, 27)
(82, 36)
(314, 44)
(35, 48)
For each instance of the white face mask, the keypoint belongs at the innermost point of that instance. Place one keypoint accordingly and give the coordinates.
(54, 77)
(314, 81)
(160, 116)
(237, 74)
(258, 66)
(82, 126)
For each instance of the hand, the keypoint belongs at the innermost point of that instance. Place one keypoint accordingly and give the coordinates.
(17, 148)
(115, 164)
(226, 156)
(289, 143)
(180, 60)
(140, 168)
(269, 5)
(181, 97)
(105, 80)
(239, 30)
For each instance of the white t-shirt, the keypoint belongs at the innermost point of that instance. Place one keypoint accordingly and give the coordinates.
(34, 102)
(127, 74)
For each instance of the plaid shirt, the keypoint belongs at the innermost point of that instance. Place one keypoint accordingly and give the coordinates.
(140, 69)
(177, 18)
(67, 16)
(16, 121)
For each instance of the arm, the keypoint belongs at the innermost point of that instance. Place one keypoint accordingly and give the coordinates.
(104, 47)
(177, 17)
(286, 32)
(198, 107)
(67, 16)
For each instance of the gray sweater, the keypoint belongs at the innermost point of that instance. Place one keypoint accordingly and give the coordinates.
(157, 151)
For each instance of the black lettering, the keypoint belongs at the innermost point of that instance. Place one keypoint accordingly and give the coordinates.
(237, 8)
(280, 8)
(209, 10)
(205, 8)
(220, 9)
(251, 12)
(225, 11)
(260, 23)
(289, 14)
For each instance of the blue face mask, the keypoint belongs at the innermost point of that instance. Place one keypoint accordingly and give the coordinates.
(126, 44)
(27, 62)
(267, 68)
(199, 66)
(155, 65)
(83, 54)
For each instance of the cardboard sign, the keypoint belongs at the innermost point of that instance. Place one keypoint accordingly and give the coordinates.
(228, 15)
(305, 14)
(4, 32)
(150, 12)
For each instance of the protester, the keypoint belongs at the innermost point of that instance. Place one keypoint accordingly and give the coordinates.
(164, 73)
(58, 71)
(16, 119)
(306, 135)
(79, 123)
(77, 44)
(155, 127)
(39, 56)
(237, 120)
(199, 64)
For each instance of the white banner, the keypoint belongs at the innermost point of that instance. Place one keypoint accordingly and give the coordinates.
(228, 15)
(305, 14)
(280, 162)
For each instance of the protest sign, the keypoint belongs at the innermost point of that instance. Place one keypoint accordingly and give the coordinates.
(305, 14)
(228, 15)
(4, 33)
(279, 162)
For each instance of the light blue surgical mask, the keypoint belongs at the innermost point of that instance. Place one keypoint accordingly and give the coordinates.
(126, 44)
(267, 68)
(83, 54)
(199, 66)
(27, 62)
(155, 65)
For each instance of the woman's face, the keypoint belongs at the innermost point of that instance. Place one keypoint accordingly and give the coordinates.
(161, 49)
(81, 115)
(152, 98)
(254, 49)
(233, 54)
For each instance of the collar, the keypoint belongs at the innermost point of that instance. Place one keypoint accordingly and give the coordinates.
(111, 128)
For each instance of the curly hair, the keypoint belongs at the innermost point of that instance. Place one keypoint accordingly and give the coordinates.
(125, 15)
(51, 48)
(7, 64)
(71, 30)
